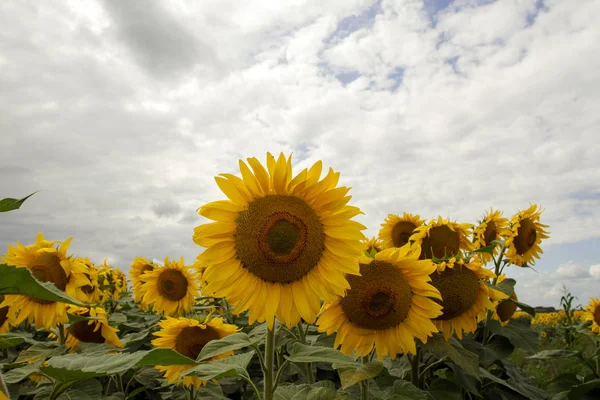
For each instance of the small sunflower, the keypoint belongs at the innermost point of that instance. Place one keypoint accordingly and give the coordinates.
(442, 238)
(492, 227)
(281, 243)
(386, 307)
(47, 264)
(593, 314)
(4, 314)
(170, 289)
(372, 244)
(137, 272)
(187, 337)
(92, 291)
(396, 230)
(465, 295)
(526, 234)
(506, 309)
(91, 331)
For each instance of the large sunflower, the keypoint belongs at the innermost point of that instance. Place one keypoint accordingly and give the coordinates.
(442, 238)
(4, 317)
(396, 230)
(91, 331)
(492, 227)
(593, 314)
(386, 307)
(281, 243)
(188, 337)
(372, 244)
(506, 309)
(526, 234)
(137, 271)
(465, 295)
(47, 264)
(170, 289)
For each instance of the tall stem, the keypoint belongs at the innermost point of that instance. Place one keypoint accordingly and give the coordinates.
(269, 350)
(309, 372)
(364, 384)
(414, 363)
(61, 334)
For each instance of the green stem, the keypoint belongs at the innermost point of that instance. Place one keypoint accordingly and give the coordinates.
(278, 376)
(269, 350)
(308, 366)
(261, 359)
(227, 311)
(430, 366)
(256, 392)
(61, 334)
(414, 364)
(364, 390)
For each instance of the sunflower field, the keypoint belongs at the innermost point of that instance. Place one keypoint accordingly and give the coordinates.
(288, 299)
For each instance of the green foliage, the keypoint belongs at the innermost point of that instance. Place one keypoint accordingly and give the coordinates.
(10, 204)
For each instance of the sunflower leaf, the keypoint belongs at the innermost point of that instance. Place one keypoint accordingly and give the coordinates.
(230, 366)
(303, 353)
(507, 286)
(11, 340)
(352, 375)
(74, 318)
(518, 331)
(489, 249)
(228, 343)
(20, 281)
(322, 390)
(466, 360)
(9, 204)
(550, 354)
(525, 307)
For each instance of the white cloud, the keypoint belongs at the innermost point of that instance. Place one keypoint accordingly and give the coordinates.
(571, 270)
(595, 271)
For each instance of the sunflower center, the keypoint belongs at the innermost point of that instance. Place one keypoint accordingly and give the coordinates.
(459, 288)
(379, 299)
(172, 284)
(597, 315)
(401, 232)
(442, 241)
(3, 311)
(279, 238)
(192, 339)
(371, 248)
(46, 268)
(84, 332)
(526, 236)
(490, 233)
(146, 268)
(507, 309)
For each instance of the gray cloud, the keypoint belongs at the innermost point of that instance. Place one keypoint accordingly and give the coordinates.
(166, 208)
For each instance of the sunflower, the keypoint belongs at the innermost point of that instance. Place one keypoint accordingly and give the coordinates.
(442, 238)
(386, 307)
(91, 331)
(4, 314)
(170, 289)
(506, 309)
(526, 234)
(188, 337)
(593, 314)
(465, 295)
(281, 243)
(396, 230)
(92, 291)
(492, 227)
(372, 244)
(138, 268)
(112, 282)
(47, 264)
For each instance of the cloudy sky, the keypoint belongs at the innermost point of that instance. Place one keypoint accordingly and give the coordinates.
(121, 113)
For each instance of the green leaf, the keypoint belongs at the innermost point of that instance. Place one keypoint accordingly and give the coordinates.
(523, 383)
(487, 249)
(507, 286)
(9, 204)
(20, 281)
(18, 374)
(304, 353)
(82, 366)
(40, 351)
(561, 384)
(230, 366)
(525, 307)
(579, 391)
(466, 360)
(322, 390)
(518, 331)
(404, 390)
(117, 318)
(73, 318)
(443, 389)
(228, 343)
(352, 375)
(89, 389)
(399, 367)
(8, 340)
(550, 354)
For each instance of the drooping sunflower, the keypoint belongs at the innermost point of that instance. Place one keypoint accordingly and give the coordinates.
(47, 264)
(526, 234)
(386, 307)
(441, 238)
(92, 291)
(593, 314)
(465, 296)
(506, 309)
(137, 271)
(4, 314)
(91, 331)
(372, 244)
(396, 230)
(281, 243)
(492, 227)
(188, 337)
(170, 289)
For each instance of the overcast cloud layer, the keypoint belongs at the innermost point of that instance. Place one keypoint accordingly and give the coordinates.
(121, 113)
